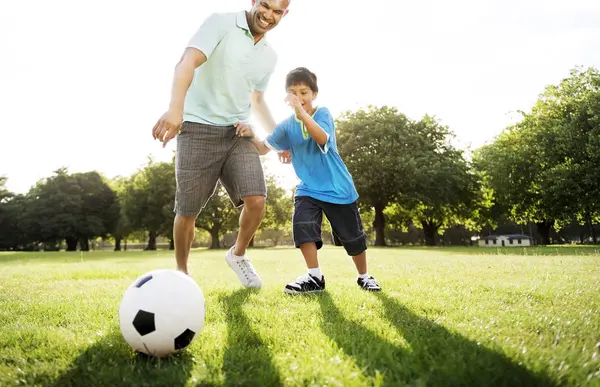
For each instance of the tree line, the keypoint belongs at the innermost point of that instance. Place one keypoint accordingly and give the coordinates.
(540, 175)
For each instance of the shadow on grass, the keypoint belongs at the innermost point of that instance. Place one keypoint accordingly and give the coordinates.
(247, 360)
(111, 362)
(436, 356)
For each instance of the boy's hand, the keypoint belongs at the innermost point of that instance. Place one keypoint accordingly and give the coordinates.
(293, 102)
(285, 157)
(243, 130)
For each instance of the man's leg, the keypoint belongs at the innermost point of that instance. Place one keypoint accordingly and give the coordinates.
(250, 218)
(198, 162)
(183, 236)
(244, 181)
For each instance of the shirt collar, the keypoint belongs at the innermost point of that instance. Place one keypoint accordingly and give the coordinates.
(242, 22)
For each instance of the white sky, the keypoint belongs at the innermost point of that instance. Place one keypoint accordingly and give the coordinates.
(83, 82)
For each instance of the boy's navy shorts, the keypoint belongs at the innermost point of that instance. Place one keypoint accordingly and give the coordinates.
(345, 221)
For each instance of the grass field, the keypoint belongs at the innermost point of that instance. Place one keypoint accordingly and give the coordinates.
(455, 316)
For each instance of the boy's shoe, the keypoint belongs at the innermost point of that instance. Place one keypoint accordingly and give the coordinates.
(244, 270)
(368, 284)
(306, 283)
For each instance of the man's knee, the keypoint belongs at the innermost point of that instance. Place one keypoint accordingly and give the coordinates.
(255, 204)
(185, 220)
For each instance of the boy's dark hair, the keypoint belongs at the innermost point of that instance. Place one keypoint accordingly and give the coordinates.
(302, 75)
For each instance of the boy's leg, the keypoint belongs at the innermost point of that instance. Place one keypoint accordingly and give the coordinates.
(244, 182)
(306, 223)
(198, 162)
(347, 227)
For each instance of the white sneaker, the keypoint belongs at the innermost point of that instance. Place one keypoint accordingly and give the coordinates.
(244, 270)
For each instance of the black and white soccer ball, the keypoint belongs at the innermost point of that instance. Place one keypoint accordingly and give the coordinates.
(161, 312)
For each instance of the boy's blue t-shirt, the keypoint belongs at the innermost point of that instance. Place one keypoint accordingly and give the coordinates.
(322, 173)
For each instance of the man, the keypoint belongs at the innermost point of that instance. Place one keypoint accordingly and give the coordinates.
(220, 78)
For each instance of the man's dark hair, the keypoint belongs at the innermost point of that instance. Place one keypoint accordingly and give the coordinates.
(302, 75)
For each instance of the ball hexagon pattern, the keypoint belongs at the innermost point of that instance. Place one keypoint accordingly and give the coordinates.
(161, 312)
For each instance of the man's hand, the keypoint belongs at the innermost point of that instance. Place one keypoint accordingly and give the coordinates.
(243, 130)
(285, 157)
(167, 126)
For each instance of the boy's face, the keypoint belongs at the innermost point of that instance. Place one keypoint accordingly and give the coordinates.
(304, 94)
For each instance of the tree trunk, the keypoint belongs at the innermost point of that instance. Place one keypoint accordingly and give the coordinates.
(214, 235)
(379, 225)
(544, 231)
(118, 244)
(84, 244)
(592, 231)
(151, 241)
(251, 244)
(172, 244)
(71, 243)
(430, 231)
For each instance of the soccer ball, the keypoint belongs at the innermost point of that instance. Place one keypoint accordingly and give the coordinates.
(161, 312)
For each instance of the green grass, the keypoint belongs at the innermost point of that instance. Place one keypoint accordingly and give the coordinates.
(455, 316)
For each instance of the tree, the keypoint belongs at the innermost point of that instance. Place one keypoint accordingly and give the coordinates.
(8, 218)
(100, 207)
(218, 216)
(544, 168)
(512, 168)
(447, 192)
(567, 122)
(123, 227)
(380, 147)
(279, 208)
(148, 200)
(74, 208)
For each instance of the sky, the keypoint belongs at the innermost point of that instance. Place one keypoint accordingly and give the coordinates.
(83, 82)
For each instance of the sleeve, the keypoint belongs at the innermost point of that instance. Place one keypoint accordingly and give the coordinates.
(279, 141)
(208, 36)
(262, 85)
(324, 119)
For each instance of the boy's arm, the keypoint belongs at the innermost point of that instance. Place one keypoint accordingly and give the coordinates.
(277, 141)
(315, 130)
(260, 146)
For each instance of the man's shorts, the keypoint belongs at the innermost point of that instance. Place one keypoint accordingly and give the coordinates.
(207, 154)
(345, 221)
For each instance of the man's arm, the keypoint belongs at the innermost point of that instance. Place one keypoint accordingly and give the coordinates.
(167, 126)
(262, 111)
(191, 59)
(199, 48)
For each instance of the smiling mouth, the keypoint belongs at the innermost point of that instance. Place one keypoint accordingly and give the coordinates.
(262, 22)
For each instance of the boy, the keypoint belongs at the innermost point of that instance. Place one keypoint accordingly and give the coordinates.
(326, 185)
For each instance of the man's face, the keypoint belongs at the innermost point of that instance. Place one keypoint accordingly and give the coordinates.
(266, 14)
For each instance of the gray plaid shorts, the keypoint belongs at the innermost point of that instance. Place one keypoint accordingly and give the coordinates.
(208, 154)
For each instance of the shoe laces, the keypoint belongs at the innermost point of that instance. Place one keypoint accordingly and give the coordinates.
(304, 279)
(370, 282)
(247, 267)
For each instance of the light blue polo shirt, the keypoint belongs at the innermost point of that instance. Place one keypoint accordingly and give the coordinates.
(222, 87)
(322, 173)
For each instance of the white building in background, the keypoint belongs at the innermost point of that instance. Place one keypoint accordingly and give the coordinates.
(510, 240)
